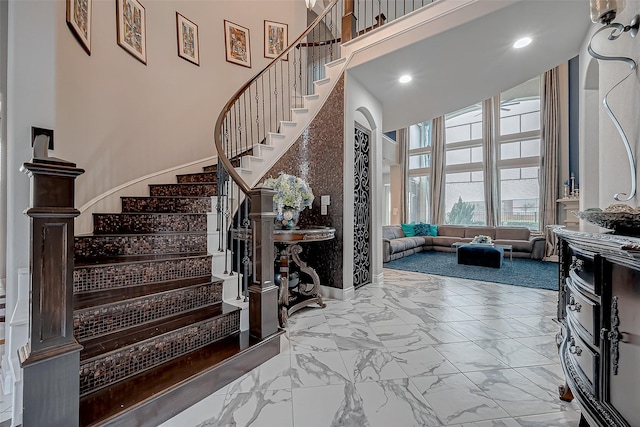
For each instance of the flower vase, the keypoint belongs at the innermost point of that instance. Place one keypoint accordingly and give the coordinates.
(288, 219)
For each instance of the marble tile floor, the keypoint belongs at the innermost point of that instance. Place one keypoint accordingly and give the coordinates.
(418, 350)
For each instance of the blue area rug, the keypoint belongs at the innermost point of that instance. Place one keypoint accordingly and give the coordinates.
(524, 272)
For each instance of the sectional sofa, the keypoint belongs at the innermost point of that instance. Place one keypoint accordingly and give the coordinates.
(395, 244)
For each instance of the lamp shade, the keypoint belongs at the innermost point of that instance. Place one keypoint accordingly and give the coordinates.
(604, 11)
(310, 3)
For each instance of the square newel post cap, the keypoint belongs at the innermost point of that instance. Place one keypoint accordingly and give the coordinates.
(52, 182)
(262, 200)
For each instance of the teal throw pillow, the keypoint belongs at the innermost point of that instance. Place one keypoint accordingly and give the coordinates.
(409, 230)
(422, 229)
(433, 230)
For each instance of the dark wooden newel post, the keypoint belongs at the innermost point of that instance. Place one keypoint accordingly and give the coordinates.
(263, 293)
(51, 357)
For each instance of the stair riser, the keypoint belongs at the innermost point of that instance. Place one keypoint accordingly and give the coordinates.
(117, 365)
(114, 276)
(193, 190)
(109, 318)
(148, 223)
(211, 177)
(166, 204)
(90, 247)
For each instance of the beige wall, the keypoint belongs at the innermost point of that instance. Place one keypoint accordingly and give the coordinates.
(120, 119)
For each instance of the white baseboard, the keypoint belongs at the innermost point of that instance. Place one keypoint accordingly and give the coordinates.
(377, 279)
(335, 293)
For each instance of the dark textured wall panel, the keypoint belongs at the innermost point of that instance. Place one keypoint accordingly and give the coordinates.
(318, 157)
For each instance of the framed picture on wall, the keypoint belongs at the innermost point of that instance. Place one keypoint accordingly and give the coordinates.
(188, 42)
(132, 27)
(237, 45)
(79, 21)
(276, 39)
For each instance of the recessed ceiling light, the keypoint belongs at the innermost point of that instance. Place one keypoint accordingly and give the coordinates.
(525, 41)
(405, 79)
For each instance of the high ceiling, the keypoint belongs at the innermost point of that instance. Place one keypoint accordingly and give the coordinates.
(464, 53)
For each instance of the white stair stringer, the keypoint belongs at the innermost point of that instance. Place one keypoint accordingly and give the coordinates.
(265, 155)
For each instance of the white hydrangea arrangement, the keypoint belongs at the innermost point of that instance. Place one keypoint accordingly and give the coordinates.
(482, 239)
(291, 192)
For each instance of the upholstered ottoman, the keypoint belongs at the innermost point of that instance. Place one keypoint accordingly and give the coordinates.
(481, 255)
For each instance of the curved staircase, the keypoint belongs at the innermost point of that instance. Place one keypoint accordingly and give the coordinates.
(157, 336)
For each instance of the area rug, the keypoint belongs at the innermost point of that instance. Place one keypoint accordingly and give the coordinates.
(530, 273)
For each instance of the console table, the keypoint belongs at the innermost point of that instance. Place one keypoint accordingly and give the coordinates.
(599, 313)
(288, 249)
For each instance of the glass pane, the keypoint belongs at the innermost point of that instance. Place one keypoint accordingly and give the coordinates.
(476, 176)
(520, 108)
(530, 148)
(418, 199)
(510, 150)
(420, 161)
(464, 201)
(459, 177)
(476, 154)
(519, 197)
(420, 135)
(458, 157)
(464, 125)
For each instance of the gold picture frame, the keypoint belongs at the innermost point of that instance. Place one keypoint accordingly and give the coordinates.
(276, 39)
(79, 21)
(188, 41)
(132, 27)
(237, 44)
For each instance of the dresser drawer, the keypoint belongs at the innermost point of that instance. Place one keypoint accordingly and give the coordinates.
(584, 312)
(582, 270)
(584, 359)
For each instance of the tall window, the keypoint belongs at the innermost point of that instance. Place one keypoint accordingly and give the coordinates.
(517, 166)
(464, 182)
(519, 155)
(418, 190)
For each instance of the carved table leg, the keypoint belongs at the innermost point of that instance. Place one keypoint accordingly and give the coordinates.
(315, 290)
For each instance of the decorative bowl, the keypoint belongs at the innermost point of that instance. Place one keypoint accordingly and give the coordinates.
(624, 223)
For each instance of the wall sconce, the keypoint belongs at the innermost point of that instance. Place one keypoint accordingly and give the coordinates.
(604, 11)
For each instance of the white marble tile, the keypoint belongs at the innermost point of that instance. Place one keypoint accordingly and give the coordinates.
(422, 360)
(547, 377)
(263, 408)
(414, 316)
(513, 353)
(371, 365)
(438, 333)
(201, 412)
(345, 320)
(512, 328)
(310, 321)
(515, 393)
(309, 342)
(355, 337)
(328, 406)
(395, 403)
(447, 314)
(476, 330)
(274, 374)
(544, 344)
(545, 325)
(468, 357)
(494, 311)
(503, 422)
(397, 335)
(455, 399)
(315, 369)
(380, 316)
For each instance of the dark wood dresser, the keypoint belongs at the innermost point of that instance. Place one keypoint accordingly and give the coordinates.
(599, 310)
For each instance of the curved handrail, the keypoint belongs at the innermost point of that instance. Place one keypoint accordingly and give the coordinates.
(218, 129)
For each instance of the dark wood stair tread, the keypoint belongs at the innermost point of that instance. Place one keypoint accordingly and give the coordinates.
(82, 300)
(154, 396)
(105, 343)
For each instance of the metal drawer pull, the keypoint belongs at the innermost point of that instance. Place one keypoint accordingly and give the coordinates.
(576, 265)
(574, 349)
(573, 305)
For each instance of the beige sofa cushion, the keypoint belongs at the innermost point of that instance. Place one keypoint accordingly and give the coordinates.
(451, 230)
(512, 233)
(473, 231)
